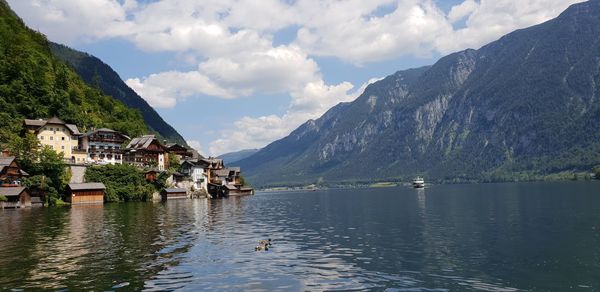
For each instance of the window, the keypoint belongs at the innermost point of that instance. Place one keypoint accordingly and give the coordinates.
(62, 147)
(51, 138)
(41, 137)
(63, 138)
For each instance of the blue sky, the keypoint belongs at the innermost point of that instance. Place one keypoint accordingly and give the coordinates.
(238, 74)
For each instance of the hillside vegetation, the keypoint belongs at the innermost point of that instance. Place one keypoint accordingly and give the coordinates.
(34, 84)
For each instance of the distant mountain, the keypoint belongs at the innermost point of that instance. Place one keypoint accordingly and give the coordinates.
(34, 84)
(527, 104)
(233, 157)
(96, 73)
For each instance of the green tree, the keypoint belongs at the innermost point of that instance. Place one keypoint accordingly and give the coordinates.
(123, 182)
(44, 186)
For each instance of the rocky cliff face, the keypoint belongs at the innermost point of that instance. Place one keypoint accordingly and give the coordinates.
(525, 103)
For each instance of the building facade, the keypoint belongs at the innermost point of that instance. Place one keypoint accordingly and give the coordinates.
(58, 135)
(103, 146)
(147, 152)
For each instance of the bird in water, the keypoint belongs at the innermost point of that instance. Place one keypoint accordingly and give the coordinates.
(263, 245)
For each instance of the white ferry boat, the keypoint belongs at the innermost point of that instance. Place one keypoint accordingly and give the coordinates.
(418, 182)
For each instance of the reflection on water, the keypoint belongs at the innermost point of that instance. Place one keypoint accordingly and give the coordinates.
(497, 237)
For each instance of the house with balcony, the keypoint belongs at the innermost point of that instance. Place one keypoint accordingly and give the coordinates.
(103, 146)
(146, 152)
(58, 135)
(11, 173)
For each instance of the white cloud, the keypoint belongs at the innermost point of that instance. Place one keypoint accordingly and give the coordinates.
(275, 70)
(462, 10)
(351, 30)
(196, 145)
(309, 102)
(489, 19)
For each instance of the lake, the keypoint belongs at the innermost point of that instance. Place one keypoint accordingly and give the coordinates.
(489, 237)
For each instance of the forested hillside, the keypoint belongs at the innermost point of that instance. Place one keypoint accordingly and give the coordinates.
(35, 84)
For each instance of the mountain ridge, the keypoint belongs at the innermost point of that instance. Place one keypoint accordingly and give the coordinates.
(99, 74)
(525, 103)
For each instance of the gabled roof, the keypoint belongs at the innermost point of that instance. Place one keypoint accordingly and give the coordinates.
(73, 129)
(35, 123)
(5, 161)
(12, 191)
(55, 121)
(107, 130)
(86, 186)
(222, 172)
(142, 142)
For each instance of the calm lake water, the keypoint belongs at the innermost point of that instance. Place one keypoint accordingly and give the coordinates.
(492, 237)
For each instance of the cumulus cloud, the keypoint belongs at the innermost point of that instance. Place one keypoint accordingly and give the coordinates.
(196, 145)
(355, 31)
(275, 70)
(488, 20)
(309, 102)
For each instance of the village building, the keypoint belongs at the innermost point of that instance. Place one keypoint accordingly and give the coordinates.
(85, 193)
(11, 173)
(194, 169)
(16, 197)
(58, 135)
(181, 151)
(147, 152)
(104, 146)
(173, 194)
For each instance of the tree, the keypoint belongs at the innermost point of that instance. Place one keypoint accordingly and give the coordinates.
(123, 182)
(42, 185)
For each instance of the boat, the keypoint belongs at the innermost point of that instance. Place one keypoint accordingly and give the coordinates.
(418, 182)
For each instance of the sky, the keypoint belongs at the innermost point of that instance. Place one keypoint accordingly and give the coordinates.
(239, 74)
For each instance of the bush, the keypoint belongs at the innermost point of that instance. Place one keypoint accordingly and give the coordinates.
(123, 182)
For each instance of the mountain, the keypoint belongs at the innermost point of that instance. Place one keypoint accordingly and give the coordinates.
(98, 74)
(35, 84)
(233, 157)
(524, 105)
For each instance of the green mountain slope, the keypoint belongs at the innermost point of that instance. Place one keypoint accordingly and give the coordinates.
(526, 104)
(98, 74)
(35, 84)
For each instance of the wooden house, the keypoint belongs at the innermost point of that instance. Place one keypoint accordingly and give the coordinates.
(173, 194)
(16, 197)
(179, 150)
(11, 173)
(85, 193)
(148, 152)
